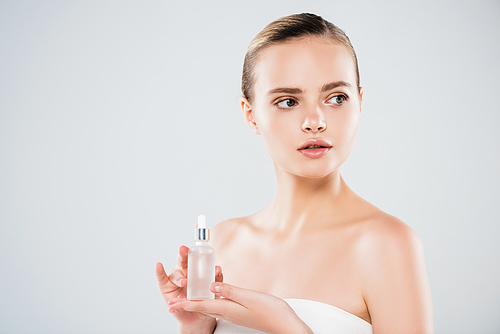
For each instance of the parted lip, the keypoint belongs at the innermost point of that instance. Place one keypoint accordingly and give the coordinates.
(315, 141)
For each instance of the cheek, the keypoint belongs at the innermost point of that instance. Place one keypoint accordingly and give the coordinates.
(275, 129)
(344, 128)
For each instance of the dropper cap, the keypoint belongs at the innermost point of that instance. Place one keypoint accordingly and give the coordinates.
(202, 233)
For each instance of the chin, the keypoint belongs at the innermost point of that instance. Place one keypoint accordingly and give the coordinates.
(312, 169)
(314, 173)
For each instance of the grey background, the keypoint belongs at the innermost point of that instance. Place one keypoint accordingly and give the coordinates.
(119, 124)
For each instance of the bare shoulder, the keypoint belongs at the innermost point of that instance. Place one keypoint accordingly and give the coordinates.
(375, 225)
(224, 232)
(395, 286)
(388, 245)
(381, 234)
(385, 233)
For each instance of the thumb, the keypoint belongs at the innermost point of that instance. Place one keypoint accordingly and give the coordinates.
(239, 295)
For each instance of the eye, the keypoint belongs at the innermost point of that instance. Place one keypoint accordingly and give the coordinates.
(286, 103)
(338, 99)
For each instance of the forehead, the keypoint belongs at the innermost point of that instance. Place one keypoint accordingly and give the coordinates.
(307, 63)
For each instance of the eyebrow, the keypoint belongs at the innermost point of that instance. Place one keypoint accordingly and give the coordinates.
(285, 90)
(335, 84)
(324, 88)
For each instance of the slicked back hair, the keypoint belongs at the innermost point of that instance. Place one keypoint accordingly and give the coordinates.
(285, 29)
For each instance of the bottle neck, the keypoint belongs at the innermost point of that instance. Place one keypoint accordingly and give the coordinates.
(201, 242)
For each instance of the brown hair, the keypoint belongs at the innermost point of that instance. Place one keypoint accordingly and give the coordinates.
(283, 30)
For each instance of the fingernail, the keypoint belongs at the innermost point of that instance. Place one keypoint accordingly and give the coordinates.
(216, 288)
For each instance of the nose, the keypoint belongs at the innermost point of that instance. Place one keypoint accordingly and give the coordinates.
(314, 121)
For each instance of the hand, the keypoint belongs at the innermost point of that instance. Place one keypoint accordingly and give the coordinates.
(174, 285)
(253, 309)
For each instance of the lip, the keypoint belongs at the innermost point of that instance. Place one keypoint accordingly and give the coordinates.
(315, 152)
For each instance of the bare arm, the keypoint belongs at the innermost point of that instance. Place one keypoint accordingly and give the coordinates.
(395, 281)
(252, 309)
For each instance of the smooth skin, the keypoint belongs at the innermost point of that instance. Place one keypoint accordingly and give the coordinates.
(174, 287)
(317, 240)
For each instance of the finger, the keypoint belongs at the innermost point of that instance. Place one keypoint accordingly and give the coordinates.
(182, 257)
(219, 277)
(177, 300)
(216, 308)
(178, 278)
(238, 295)
(161, 275)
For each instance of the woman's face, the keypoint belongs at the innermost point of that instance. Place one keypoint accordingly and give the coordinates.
(306, 105)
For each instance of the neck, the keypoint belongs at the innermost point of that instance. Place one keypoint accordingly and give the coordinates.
(304, 203)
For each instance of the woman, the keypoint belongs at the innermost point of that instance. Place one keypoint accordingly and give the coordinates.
(318, 259)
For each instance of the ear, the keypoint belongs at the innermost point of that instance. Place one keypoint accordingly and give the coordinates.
(249, 115)
(360, 97)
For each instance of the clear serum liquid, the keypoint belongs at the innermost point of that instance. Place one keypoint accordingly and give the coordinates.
(201, 264)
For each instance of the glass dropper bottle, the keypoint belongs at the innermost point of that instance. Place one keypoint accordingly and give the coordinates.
(201, 264)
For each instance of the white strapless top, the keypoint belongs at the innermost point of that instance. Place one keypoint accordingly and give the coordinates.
(320, 317)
